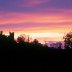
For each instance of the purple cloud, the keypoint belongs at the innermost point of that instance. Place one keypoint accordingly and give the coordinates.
(33, 5)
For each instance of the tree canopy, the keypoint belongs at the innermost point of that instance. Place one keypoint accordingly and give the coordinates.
(68, 40)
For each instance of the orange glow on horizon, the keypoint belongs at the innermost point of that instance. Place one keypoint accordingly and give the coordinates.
(45, 36)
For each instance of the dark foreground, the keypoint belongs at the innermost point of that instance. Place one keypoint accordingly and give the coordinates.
(44, 55)
(34, 58)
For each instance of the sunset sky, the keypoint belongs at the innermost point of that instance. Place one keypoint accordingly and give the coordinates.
(46, 20)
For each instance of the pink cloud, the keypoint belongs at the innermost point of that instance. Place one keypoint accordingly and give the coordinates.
(13, 18)
(37, 22)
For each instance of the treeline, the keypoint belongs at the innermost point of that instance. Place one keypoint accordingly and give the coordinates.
(20, 46)
(8, 41)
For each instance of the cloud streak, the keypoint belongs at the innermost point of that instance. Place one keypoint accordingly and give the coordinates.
(36, 16)
(31, 3)
(14, 18)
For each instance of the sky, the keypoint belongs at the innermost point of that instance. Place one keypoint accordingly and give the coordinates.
(46, 20)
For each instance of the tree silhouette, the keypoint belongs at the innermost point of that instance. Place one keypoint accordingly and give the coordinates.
(35, 41)
(68, 40)
(21, 38)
